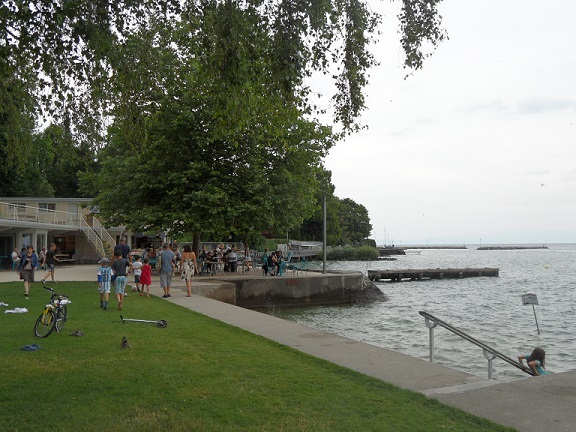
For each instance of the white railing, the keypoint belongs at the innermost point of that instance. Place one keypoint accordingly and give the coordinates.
(24, 213)
(93, 238)
(102, 233)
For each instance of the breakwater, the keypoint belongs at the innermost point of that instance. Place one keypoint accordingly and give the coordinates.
(510, 247)
(401, 250)
(420, 274)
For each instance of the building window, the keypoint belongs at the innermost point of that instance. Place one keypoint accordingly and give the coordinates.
(47, 206)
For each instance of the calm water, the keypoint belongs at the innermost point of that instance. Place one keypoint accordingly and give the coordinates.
(487, 308)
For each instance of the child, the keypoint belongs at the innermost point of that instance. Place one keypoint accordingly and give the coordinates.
(137, 267)
(536, 361)
(146, 277)
(119, 267)
(104, 282)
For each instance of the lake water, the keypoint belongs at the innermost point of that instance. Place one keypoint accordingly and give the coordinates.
(487, 308)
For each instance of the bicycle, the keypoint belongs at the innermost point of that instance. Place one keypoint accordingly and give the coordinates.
(54, 315)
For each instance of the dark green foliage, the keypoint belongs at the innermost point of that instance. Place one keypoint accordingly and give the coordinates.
(199, 114)
(349, 253)
(354, 221)
(419, 23)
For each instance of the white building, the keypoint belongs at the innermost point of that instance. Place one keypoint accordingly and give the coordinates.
(68, 222)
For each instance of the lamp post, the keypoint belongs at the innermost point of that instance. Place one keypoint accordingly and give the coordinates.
(324, 237)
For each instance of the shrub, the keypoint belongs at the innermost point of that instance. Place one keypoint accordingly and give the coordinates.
(349, 253)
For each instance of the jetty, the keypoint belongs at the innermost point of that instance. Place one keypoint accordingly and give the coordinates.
(426, 274)
(510, 247)
(401, 250)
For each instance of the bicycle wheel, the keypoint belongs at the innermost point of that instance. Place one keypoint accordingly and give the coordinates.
(45, 324)
(60, 319)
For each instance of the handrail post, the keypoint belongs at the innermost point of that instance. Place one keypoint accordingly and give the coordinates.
(431, 324)
(489, 355)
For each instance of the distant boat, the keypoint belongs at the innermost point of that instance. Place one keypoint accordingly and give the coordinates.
(413, 251)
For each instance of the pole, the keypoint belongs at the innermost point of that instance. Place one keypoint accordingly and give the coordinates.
(324, 238)
(536, 319)
(431, 324)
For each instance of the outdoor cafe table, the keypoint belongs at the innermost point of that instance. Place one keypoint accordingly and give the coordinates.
(64, 259)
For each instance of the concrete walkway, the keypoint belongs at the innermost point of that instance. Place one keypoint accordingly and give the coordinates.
(530, 404)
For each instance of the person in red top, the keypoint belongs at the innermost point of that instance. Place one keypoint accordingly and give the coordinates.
(146, 277)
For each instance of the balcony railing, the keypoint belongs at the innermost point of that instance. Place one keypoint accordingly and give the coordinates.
(24, 213)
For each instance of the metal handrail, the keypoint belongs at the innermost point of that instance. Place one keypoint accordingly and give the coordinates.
(104, 235)
(94, 238)
(489, 353)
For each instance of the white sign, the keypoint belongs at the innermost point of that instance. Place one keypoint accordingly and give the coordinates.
(528, 299)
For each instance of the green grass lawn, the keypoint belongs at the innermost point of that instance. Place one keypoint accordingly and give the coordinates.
(197, 374)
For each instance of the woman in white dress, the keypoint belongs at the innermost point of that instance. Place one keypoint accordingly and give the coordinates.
(188, 267)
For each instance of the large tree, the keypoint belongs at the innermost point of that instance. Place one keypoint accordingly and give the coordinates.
(226, 148)
(58, 51)
(206, 105)
(354, 220)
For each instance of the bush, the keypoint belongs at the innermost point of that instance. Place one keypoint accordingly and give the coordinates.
(365, 253)
(349, 253)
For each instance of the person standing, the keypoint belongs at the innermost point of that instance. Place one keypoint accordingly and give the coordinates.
(137, 267)
(166, 269)
(119, 267)
(42, 259)
(16, 259)
(146, 277)
(189, 266)
(265, 256)
(50, 261)
(232, 259)
(28, 264)
(177, 257)
(124, 249)
(104, 273)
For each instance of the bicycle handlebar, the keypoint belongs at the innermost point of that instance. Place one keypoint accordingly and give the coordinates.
(54, 294)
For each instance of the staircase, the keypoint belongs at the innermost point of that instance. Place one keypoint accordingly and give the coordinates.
(99, 238)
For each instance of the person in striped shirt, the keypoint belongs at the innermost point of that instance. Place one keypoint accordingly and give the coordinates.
(104, 273)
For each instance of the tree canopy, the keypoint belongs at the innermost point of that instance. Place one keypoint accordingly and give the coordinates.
(199, 112)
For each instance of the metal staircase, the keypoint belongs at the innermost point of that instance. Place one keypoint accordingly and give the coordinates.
(98, 237)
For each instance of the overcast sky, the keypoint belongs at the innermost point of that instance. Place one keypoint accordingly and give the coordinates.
(480, 145)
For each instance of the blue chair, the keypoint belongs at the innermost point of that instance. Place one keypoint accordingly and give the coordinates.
(284, 263)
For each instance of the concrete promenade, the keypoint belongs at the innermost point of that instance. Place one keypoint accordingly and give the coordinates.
(529, 404)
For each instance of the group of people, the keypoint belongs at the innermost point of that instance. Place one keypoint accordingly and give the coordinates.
(124, 263)
(227, 257)
(27, 262)
(271, 262)
(117, 272)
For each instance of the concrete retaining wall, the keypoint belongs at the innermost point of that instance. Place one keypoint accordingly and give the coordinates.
(315, 289)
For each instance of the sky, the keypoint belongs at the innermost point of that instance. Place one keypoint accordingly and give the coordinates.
(478, 147)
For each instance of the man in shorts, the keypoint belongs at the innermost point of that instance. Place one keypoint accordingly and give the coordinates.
(50, 261)
(166, 269)
(121, 267)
